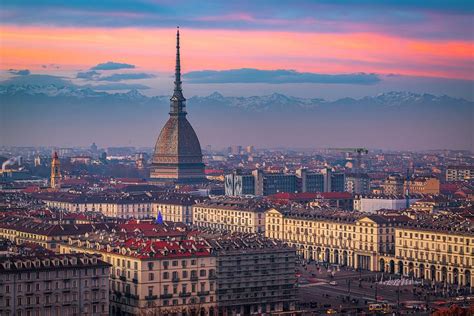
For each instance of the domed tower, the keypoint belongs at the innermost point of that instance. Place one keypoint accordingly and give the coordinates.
(177, 157)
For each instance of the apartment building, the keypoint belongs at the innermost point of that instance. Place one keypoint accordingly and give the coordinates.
(172, 207)
(459, 173)
(49, 236)
(333, 236)
(149, 276)
(57, 285)
(441, 252)
(231, 214)
(255, 275)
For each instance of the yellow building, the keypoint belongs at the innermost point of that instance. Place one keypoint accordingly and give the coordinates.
(441, 254)
(161, 277)
(231, 214)
(333, 236)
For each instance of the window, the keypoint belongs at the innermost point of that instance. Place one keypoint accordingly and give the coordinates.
(151, 276)
(166, 275)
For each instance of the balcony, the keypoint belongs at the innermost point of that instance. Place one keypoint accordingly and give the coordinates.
(166, 296)
(123, 278)
(203, 293)
(135, 280)
(194, 278)
(175, 279)
(185, 294)
(130, 295)
(151, 297)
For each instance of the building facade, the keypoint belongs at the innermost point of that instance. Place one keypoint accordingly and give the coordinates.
(357, 183)
(459, 173)
(255, 275)
(438, 254)
(46, 235)
(232, 215)
(393, 185)
(172, 207)
(422, 185)
(373, 203)
(154, 277)
(54, 285)
(333, 236)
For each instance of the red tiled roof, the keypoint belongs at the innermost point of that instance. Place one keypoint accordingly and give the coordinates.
(214, 171)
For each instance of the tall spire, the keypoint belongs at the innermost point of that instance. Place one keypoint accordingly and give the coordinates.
(177, 105)
(177, 72)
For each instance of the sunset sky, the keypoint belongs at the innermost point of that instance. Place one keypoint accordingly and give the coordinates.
(424, 46)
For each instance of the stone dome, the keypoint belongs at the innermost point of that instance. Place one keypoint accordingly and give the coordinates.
(177, 140)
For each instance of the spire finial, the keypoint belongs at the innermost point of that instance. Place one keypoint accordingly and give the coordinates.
(177, 100)
(177, 82)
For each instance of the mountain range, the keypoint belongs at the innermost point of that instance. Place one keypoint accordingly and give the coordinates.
(73, 115)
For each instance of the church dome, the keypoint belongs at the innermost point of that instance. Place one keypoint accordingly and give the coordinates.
(177, 139)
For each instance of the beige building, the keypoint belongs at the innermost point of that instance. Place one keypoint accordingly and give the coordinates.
(46, 235)
(459, 173)
(164, 277)
(393, 185)
(439, 254)
(231, 214)
(333, 236)
(122, 206)
(54, 285)
(173, 207)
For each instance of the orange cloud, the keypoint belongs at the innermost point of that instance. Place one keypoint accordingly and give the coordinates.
(153, 49)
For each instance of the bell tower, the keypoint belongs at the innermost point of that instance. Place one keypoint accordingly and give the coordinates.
(55, 172)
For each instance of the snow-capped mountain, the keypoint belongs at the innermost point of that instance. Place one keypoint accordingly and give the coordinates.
(273, 102)
(81, 113)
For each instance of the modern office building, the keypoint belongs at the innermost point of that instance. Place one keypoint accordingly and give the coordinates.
(262, 183)
(357, 183)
